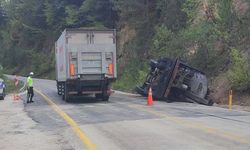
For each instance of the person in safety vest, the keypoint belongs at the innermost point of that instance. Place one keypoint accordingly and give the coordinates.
(30, 87)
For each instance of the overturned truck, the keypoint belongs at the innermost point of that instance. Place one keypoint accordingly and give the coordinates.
(173, 80)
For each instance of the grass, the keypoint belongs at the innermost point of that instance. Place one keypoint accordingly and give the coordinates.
(10, 86)
(130, 78)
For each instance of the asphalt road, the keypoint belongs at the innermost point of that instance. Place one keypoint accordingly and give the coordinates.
(127, 123)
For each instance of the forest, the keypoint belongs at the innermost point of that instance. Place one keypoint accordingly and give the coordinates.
(210, 35)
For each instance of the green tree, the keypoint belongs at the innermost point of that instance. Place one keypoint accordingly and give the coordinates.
(98, 13)
(72, 15)
(170, 14)
(166, 44)
(238, 75)
(2, 16)
(29, 28)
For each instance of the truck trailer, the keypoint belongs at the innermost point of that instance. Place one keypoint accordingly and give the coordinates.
(174, 80)
(85, 63)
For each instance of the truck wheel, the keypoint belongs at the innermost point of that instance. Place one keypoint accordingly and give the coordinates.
(63, 91)
(98, 96)
(66, 94)
(59, 88)
(105, 98)
(102, 97)
(63, 96)
(66, 97)
(210, 103)
(168, 99)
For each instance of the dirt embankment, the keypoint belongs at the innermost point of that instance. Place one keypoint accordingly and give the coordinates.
(220, 94)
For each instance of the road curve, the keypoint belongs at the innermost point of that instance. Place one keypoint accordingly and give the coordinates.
(126, 123)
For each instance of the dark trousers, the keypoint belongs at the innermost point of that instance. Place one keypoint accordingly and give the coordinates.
(30, 93)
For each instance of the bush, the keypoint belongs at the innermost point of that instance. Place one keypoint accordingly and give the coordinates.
(131, 76)
(238, 75)
(1, 72)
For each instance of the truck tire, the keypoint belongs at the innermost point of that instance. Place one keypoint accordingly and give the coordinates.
(103, 97)
(66, 97)
(168, 100)
(65, 93)
(210, 103)
(98, 96)
(59, 88)
(63, 96)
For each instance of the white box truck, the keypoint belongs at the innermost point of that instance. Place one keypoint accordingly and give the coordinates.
(85, 63)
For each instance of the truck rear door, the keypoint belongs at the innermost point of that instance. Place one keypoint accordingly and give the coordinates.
(91, 63)
(92, 52)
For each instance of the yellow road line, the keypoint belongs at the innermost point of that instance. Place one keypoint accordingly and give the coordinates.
(80, 133)
(192, 124)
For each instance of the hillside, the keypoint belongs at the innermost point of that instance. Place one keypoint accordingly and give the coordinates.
(210, 35)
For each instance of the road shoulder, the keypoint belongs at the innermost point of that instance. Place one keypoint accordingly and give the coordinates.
(18, 130)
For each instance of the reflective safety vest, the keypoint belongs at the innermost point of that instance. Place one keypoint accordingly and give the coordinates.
(30, 82)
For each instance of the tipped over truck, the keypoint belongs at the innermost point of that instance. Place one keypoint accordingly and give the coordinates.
(85, 63)
(173, 80)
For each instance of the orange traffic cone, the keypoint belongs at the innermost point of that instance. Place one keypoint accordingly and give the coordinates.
(150, 97)
(16, 97)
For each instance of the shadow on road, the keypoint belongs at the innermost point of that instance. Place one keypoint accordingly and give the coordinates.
(84, 99)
